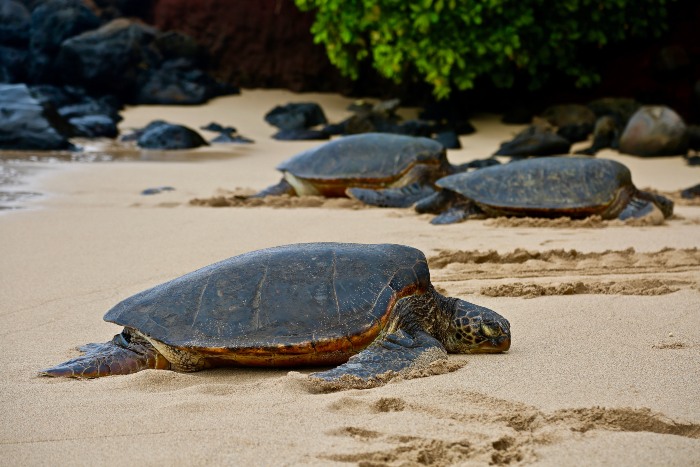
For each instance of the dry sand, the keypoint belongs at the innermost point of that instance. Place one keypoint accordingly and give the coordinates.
(604, 368)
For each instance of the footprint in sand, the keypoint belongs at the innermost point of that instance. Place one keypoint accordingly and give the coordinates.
(505, 433)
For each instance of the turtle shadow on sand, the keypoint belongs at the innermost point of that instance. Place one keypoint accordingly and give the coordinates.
(370, 309)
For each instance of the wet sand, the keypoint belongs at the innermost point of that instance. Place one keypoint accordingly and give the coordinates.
(604, 366)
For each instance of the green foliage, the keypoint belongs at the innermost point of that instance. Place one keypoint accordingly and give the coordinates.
(450, 43)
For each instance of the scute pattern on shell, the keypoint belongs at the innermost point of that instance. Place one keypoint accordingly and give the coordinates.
(365, 156)
(277, 297)
(556, 183)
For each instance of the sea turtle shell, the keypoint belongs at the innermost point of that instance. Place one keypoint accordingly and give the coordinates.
(576, 187)
(370, 160)
(297, 304)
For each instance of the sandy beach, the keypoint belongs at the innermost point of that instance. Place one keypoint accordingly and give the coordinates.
(604, 367)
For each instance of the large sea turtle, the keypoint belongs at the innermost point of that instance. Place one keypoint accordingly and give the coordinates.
(552, 187)
(369, 160)
(303, 304)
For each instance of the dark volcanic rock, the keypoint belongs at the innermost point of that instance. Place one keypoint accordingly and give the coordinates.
(448, 138)
(654, 131)
(94, 126)
(296, 116)
(300, 134)
(52, 23)
(92, 106)
(14, 23)
(536, 140)
(573, 121)
(177, 82)
(89, 116)
(26, 124)
(219, 128)
(164, 135)
(13, 64)
(227, 134)
(55, 96)
(112, 59)
(139, 64)
(621, 108)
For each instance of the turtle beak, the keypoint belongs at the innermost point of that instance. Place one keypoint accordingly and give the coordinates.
(497, 338)
(495, 345)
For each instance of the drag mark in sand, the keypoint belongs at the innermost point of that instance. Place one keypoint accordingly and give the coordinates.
(492, 431)
(620, 272)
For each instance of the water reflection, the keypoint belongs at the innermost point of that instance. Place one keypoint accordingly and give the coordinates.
(18, 167)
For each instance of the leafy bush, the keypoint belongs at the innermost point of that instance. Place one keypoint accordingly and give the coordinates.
(451, 43)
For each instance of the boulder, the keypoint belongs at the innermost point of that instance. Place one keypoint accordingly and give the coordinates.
(573, 121)
(654, 131)
(53, 22)
(538, 139)
(621, 108)
(139, 64)
(296, 116)
(14, 23)
(94, 126)
(113, 59)
(448, 138)
(177, 82)
(26, 124)
(13, 64)
(163, 135)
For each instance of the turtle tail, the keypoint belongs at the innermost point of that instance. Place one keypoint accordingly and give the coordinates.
(124, 354)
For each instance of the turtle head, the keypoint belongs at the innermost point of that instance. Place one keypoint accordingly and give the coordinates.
(475, 329)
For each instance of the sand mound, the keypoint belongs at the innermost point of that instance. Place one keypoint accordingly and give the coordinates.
(240, 198)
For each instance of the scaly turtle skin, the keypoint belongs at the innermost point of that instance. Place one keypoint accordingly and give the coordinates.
(553, 187)
(304, 304)
(370, 160)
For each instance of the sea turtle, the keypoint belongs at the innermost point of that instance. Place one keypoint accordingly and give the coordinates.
(369, 160)
(550, 187)
(303, 304)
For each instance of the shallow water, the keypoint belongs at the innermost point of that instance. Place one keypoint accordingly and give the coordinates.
(18, 169)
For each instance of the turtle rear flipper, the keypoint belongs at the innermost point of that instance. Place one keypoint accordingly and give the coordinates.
(394, 355)
(279, 189)
(122, 355)
(458, 212)
(392, 197)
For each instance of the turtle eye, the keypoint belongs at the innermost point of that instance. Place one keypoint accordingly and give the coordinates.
(490, 331)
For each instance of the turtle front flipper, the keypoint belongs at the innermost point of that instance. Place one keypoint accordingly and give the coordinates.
(394, 355)
(124, 354)
(644, 204)
(402, 197)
